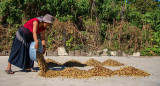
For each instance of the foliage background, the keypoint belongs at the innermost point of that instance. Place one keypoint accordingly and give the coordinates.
(126, 25)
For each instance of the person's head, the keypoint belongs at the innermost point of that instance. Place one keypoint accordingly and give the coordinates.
(47, 20)
(45, 24)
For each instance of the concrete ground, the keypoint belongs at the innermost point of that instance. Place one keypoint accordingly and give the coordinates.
(149, 64)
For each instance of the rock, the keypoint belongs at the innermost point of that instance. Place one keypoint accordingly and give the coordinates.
(55, 53)
(136, 54)
(89, 53)
(1, 54)
(77, 53)
(71, 53)
(119, 53)
(5, 53)
(45, 54)
(99, 52)
(105, 50)
(130, 54)
(94, 53)
(62, 51)
(83, 53)
(49, 53)
(104, 54)
(113, 53)
(124, 54)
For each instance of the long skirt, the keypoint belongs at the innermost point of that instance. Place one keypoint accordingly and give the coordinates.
(19, 55)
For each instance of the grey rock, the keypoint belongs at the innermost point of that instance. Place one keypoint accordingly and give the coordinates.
(49, 53)
(2, 54)
(136, 54)
(124, 54)
(89, 53)
(94, 53)
(77, 53)
(71, 53)
(105, 50)
(55, 53)
(104, 54)
(83, 53)
(45, 54)
(62, 51)
(119, 53)
(7, 54)
(113, 53)
(99, 52)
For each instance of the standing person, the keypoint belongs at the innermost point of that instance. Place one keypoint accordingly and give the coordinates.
(19, 55)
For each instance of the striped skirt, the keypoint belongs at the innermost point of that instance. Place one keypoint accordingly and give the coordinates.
(19, 55)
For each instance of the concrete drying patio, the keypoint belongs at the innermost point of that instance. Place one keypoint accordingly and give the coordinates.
(148, 64)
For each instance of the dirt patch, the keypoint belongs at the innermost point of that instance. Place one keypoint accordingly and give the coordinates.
(110, 62)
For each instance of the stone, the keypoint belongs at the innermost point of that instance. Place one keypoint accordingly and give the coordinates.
(45, 54)
(71, 53)
(83, 53)
(99, 52)
(49, 53)
(104, 54)
(94, 53)
(7, 54)
(62, 51)
(105, 50)
(1, 54)
(119, 53)
(55, 53)
(89, 53)
(77, 53)
(136, 54)
(130, 54)
(124, 54)
(113, 53)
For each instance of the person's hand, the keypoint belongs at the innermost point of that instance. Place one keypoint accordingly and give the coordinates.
(36, 46)
(44, 49)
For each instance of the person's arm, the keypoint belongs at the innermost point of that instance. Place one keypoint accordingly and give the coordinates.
(35, 26)
(43, 40)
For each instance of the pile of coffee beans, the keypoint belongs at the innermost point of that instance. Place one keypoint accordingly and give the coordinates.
(98, 69)
(110, 62)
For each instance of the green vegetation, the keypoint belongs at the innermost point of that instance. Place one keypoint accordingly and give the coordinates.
(127, 25)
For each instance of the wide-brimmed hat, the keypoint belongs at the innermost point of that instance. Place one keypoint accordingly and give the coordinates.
(48, 18)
